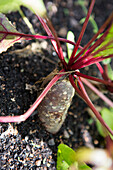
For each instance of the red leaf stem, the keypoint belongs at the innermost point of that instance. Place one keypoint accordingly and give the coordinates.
(55, 43)
(48, 31)
(79, 62)
(108, 21)
(68, 41)
(104, 74)
(82, 31)
(34, 106)
(83, 94)
(95, 90)
(93, 78)
(60, 52)
(100, 68)
(74, 85)
(90, 104)
(30, 36)
(92, 61)
(25, 35)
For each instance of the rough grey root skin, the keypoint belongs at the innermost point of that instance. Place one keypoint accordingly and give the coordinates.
(53, 109)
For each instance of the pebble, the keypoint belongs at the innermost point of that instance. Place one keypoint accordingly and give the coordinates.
(26, 138)
(63, 31)
(51, 142)
(70, 131)
(44, 44)
(48, 165)
(66, 134)
(38, 162)
(74, 22)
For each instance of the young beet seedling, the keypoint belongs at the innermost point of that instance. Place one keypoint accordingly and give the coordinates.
(91, 53)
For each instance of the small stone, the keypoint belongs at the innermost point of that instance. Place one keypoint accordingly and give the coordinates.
(38, 162)
(48, 165)
(31, 155)
(22, 70)
(51, 142)
(74, 22)
(28, 148)
(63, 31)
(66, 134)
(13, 99)
(70, 131)
(44, 44)
(44, 160)
(26, 138)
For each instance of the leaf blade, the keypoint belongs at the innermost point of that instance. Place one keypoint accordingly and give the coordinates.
(65, 156)
(106, 47)
(6, 40)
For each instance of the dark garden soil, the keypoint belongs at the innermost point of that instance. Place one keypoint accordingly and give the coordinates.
(27, 145)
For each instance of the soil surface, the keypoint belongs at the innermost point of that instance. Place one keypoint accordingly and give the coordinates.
(28, 145)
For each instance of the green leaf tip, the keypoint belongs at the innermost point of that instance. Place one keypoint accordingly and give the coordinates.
(106, 47)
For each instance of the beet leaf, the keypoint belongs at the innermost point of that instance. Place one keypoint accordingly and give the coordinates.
(6, 40)
(36, 6)
(106, 47)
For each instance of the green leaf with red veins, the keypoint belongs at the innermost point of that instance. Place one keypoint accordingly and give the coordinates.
(6, 40)
(106, 47)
